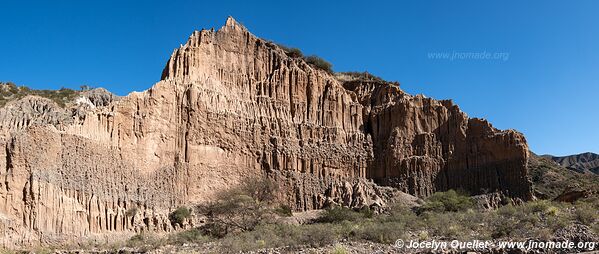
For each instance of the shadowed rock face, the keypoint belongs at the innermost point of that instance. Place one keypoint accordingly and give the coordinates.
(230, 106)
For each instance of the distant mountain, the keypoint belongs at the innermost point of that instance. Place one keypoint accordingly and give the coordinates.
(550, 178)
(578, 162)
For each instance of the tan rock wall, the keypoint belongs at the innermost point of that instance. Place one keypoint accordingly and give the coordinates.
(230, 106)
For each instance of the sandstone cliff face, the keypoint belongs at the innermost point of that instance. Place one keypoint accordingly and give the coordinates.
(230, 106)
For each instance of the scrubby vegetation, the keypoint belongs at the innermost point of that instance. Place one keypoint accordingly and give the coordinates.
(291, 52)
(9, 92)
(313, 60)
(319, 63)
(179, 216)
(240, 209)
(450, 201)
(245, 219)
(362, 76)
(550, 179)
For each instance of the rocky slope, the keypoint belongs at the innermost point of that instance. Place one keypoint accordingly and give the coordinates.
(229, 106)
(552, 180)
(578, 162)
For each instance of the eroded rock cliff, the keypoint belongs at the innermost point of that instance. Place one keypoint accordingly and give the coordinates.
(229, 106)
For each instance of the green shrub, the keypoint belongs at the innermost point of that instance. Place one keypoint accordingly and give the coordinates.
(366, 212)
(318, 235)
(538, 219)
(319, 63)
(264, 236)
(261, 189)
(449, 201)
(537, 206)
(445, 225)
(362, 76)
(235, 213)
(241, 208)
(380, 231)
(338, 214)
(291, 52)
(145, 242)
(179, 216)
(585, 214)
(188, 236)
(131, 212)
(284, 210)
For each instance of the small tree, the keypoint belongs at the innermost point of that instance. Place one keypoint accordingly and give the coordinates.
(241, 208)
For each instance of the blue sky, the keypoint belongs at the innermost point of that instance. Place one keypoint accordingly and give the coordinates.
(545, 84)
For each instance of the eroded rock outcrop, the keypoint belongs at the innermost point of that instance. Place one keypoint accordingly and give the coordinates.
(229, 106)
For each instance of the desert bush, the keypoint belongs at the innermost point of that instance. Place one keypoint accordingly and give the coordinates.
(381, 232)
(241, 208)
(444, 225)
(279, 235)
(585, 214)
(317, 235)
(319, 63)
(284, 210)
(261, 189)
(363, 76)
(291, 52)
(449, 201)
(145, 242)
(539, 219)
(338, 249)
(401, 212)
(366, 212)
(338, 214)
(131, 211)
(179, 216)
(236, 213)
(536, 206)
(193, 235)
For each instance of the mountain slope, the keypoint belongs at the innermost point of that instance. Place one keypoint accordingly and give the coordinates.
(551, 179)
(578, 162)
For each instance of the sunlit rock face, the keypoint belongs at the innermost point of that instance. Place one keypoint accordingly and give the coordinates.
(231, 106)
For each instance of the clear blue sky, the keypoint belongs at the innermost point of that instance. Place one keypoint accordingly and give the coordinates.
(547, 88)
